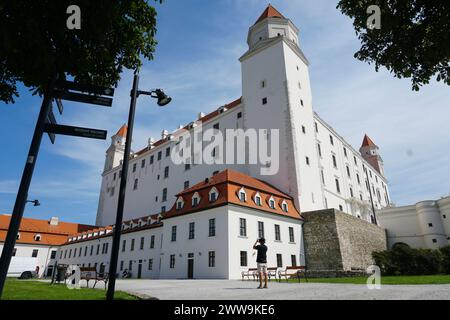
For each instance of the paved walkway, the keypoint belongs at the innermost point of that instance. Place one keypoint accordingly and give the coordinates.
(246, 290)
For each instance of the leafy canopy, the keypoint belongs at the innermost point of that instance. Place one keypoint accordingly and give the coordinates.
(36, 44)
(414, 39)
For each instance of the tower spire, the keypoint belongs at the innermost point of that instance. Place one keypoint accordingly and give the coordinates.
(270, 12)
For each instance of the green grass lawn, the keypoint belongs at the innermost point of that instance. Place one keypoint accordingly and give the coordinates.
(36, 290)
(432, 279)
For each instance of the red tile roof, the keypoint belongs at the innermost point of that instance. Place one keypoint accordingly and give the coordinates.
(228, 184)
(367, 141)
(270, 12)
(50, 234)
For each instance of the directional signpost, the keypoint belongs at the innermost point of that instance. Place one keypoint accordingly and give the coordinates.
(57, 90)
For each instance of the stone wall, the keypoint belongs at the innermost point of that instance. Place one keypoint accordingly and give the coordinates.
(338, 241)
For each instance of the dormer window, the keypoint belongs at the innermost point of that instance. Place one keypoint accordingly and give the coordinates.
(37, 237)
(18, 236)
(257, 199)
(213, 194)
(180, 203)
(195, 199)
(284, 206)
(242, 195)
(272, 203)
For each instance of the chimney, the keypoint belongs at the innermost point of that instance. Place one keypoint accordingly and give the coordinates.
(54, 221)
(151, 142)
(201, 115)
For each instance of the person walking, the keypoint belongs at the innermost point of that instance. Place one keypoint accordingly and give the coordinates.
(261, 261)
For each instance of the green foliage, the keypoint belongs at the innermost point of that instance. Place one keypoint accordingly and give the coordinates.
(35, 43)
(445, 263)
(403, 260)
(414, 39)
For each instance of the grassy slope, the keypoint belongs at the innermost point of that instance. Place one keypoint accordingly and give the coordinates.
(35, 290)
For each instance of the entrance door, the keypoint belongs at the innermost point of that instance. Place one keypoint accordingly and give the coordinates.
(139, 269)
(190, 274)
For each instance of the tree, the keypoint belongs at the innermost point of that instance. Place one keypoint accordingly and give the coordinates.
(413, 41)
(36, 44)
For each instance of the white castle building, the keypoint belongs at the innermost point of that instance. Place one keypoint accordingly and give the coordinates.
(201, 220)
(318, 168)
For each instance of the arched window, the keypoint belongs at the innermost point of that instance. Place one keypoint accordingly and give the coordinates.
(257, 199)
(180, 203)
(272, 202)
(242, 195)
(37, 237)
(284, 206)
(195, 199)
(213, 194)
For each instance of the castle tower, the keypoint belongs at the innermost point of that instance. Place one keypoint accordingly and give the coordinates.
(369, 151)
(276, 94)
(115, 152)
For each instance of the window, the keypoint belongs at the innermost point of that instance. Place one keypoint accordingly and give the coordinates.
(331, 140)
(164, 195)
(284, 206)
(195, 199)
(258, 199)
(35, 252)
(323, 176)
(135, 186)
(351, 192)
(357, 179)
(279, 260)
(112, 191)
(151, 159)
(121, 265)
(242, 227)
(134, 167)
(213, 195)
(239, 115)
(159, 155)
(53, 254)
(338, 188)
(430, 225)
(174, 233)
(293, 260)
(354, 160)
(79, 254)
(191, 230)
(291, 234)
(264, 101)
(341, 208)
(37, 237)
(166, 172)
(130, 265)
(212, 227)
(216, 126)
(152, 241)
(98, 249)
(150, 264)
(348, 171)
(263, 83)
(303, 129)
(114, 176)
(277, 232)
(242, 195)
(272, 203)
(260, 229)
(434, 240)
(92, 250)
(172, 261)
(85, 251)
(316, 126)
(243, 255)
(319, 150)
(345, 151)
(142, 243)
(180, 204)
(211, 259)
(307, 160)
(167, 152)
(142, 163)
(187, 166)
(186, 184)
(333, 158)
(301, 102)
(132, 245)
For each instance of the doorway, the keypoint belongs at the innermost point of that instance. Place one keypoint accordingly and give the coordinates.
(139, 269)
(190, 271)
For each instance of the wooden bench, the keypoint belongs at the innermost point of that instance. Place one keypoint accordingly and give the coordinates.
(90, 273)
(251, 272)
(272, 272)
(291, 271)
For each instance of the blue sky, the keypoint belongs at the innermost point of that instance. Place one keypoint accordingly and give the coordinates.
(196, 62)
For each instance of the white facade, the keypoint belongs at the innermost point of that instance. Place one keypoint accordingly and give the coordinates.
(276, 94)
(169, 257)
(42, 253)
(423, 225)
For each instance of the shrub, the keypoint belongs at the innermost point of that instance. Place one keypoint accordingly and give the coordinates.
(445, 262)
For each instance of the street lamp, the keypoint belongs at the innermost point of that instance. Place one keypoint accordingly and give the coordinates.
(35, 203)
(163, 100)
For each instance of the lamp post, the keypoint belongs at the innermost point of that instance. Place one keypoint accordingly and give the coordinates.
(163, 99)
